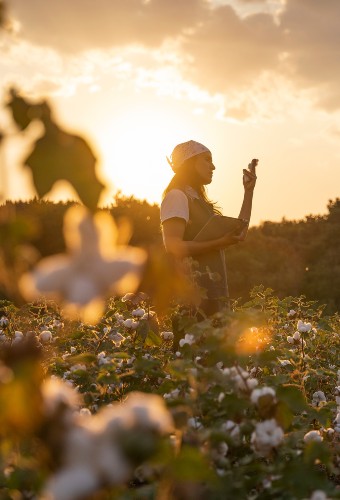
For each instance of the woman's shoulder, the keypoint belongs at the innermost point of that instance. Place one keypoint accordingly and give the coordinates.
(175, 196)
(175, 204)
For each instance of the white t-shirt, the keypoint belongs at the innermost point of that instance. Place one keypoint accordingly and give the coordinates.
(175, 204)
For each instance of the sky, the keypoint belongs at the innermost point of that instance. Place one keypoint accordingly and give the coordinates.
(247, 78)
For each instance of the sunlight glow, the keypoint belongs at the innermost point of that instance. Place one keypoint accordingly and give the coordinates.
(134, 148)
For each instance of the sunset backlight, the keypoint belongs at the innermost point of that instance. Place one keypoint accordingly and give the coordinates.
(135, 78)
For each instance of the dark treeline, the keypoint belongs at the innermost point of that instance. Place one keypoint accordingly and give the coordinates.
(291, 257)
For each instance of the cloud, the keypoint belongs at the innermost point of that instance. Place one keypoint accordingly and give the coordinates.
(299, 42)
(312, 42)
(219, 48)
(228, 51)
(78, 25)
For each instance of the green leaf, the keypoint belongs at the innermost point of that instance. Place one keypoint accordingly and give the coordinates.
(142, 330)
(325, 414)
(121, 355)
(152, 339)
(283, 415)
(316, 451)
(190, 466)
(293, 397)
(85, 357)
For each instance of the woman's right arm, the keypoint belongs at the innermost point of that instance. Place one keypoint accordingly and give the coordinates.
(173, 234)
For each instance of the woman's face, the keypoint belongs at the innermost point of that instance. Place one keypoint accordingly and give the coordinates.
(204, 167)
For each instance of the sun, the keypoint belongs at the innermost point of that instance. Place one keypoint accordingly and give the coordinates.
(134, 146)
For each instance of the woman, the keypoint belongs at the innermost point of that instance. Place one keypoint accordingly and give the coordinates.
(185, 209)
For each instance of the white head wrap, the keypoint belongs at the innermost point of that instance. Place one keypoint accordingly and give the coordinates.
(183, 152)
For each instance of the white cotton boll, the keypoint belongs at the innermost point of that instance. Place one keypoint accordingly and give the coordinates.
(109, 462)
(139, 312)
(117, 339)
(329, 432)
(81, 442)
(267, 435)
(245, 384)
(81, 290)
(188, 339)
(220, 397)
(318, 495)
(130, 323)
(57, 324)
(290, 339)
(291, 313)
(232, 428)
(77, 367)
(263, 392)
(18, 337)
(167, 335)
(71, 483)
(45, 336)
(17, 340)
(3, 321)
(284, 362)
(172, 395)
(319, 398)
(312, 436)
(73, 350)
(85, 412)
(219, 365)
(220, 451)
(297, 336)
(147, 356)
(149, 315)
(252, 383)
(56, 392)
(194, 423)
(150, 412)
(303, 327)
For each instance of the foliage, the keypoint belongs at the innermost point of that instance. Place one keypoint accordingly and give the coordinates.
(229, 374)
(291, 257)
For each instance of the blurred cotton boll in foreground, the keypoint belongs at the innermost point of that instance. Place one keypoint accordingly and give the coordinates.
(94, 267)
(103, 450)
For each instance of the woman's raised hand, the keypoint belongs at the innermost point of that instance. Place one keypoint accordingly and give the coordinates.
(249, 175)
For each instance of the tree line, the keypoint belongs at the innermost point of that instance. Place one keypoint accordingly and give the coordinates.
(292, 257)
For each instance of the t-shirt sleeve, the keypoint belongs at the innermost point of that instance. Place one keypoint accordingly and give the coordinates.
(175, 204)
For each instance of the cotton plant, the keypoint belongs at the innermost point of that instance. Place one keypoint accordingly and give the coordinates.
(95, 449)
(94, 266)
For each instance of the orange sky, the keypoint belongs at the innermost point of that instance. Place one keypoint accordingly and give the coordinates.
(247, 78)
